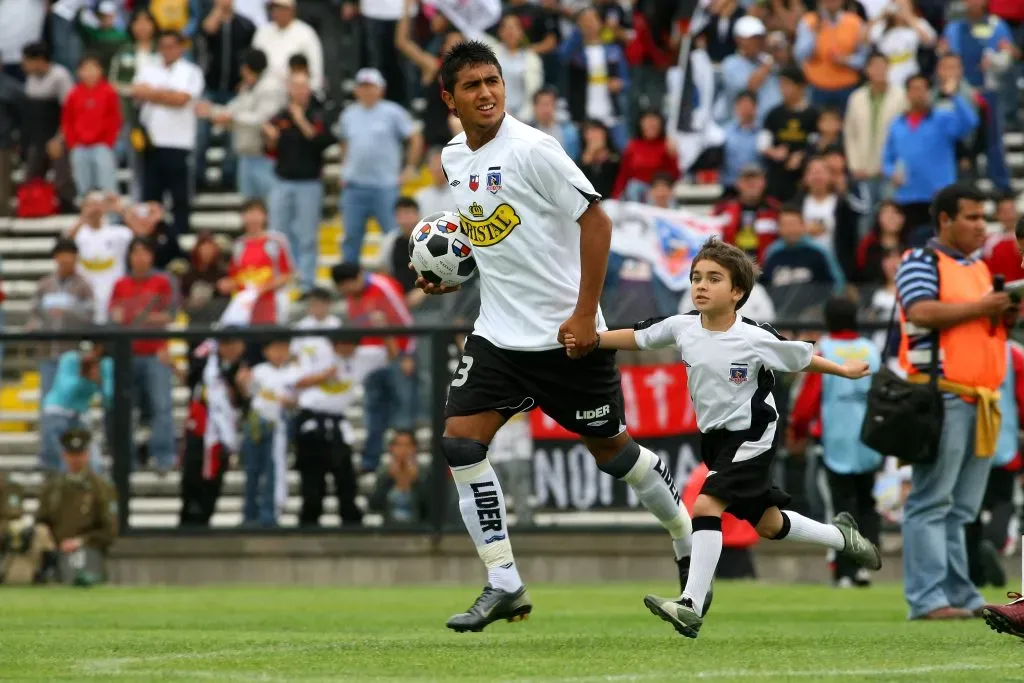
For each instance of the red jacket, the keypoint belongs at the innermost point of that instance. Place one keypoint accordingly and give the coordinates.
(1003, 258)
(134, 297)
(641, 160)
(1010, 10)
(643, 49)
(752, 230)
(380, 304)
(91, 116)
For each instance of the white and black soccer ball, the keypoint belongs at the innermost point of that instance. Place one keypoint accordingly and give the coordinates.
(440, 251)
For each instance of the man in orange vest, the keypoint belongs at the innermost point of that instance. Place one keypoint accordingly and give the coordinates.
(946, 293)
(832, 48)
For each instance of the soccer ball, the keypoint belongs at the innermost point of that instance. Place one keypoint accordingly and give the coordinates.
(440, 251)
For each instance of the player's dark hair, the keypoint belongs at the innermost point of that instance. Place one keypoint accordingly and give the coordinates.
(253, 203)
(470, 53)
(948, 200)
(343, 272)
(840, 314)
(37, 50)
(792, 208)
(406, 203)
(743, 272)
(255, 60)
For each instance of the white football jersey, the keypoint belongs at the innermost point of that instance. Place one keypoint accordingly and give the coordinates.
(270, 387)
(729, 374)
(335, 395)
(520, 196)
(304, 345)
(102, 259)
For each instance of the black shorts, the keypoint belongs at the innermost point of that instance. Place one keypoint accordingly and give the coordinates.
(582, 395)
(740, 471)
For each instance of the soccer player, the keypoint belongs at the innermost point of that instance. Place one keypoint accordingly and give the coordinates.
(541, 244)
(730, 362)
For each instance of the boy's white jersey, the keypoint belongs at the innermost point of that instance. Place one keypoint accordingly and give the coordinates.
(520, 196)
(333, 396)
(270, 387)
(729, 374)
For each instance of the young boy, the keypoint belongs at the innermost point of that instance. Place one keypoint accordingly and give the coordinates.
(838, 409)
(91, 122)
(730, 362)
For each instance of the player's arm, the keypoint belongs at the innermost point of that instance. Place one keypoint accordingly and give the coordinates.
(654, 333)
(851, 369)
(621, 340)
(595, 244)
(778, 353)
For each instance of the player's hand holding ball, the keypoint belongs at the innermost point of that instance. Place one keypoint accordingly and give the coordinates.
(855, 369)
(440, 253)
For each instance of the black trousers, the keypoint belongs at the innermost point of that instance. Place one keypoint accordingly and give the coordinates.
(320, 448)
(166, 171)
(854, 493)
(199, 494)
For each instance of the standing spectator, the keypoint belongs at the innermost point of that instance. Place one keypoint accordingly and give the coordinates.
(286, 36)
(298, 136)
(1002, 251)
(387, 363)
(167, 92)
(723, 31)
(206, 287)
(438, 195)
(741, 135)
(598, 76)
(789, 131)
(400, 494)
(91, 122)
(80, 376)
(373, 132)
(12, 101)
(751, 69)
(945, 290)
(100, 33)
(22, 26)
(885, 237)
(797, 271)
(753, 215)
(145, 298)
(650, 152)
(985, 45)
(541, 24)
(102, 251)
(830, 46)
(920, 151)
(1011, 12)
(831, 221)
(224, 39)
(520, 67)
(380, 18)
(46, 88)
(545, 103)
(869, 115)
(63, 301)
(653, 48)
(599, 160)
(899, 37)
(261, 261)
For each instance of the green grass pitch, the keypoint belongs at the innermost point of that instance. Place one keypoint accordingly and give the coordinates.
(577, 634)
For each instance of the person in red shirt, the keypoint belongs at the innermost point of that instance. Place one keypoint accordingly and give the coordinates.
(387, 363)
(645, 155)
(262, 261)
(146, 298)
(1002, 251)
(90, 123)
(753, 216)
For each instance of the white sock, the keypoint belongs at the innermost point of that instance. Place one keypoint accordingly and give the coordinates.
(806, 530)
(654, 486)
(707, 549)
(482, 505)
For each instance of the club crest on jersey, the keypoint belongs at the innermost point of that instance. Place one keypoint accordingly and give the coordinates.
(446, 227)
(476, 210)
(494, 179)
(489, 231)
(474, 182)
(738, 373)
(423, 233)
(460, 248)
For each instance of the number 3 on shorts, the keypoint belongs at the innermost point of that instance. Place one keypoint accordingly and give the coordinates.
(462, 372)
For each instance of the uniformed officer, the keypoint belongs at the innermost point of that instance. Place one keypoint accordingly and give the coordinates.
(22, 546)
(79, 509)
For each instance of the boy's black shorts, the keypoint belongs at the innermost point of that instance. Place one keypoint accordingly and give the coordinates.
(582, 395)
(740, 471)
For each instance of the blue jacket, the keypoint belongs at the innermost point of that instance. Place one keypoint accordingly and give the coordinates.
(574, 57)
(971, 41)
(73, 392)
(926, 154)
(843, 405)
(1006, 446)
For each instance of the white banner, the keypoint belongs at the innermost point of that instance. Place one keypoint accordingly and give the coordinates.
(471, 17)
(668, 239)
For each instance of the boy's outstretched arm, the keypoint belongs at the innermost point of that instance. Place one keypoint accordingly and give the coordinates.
(621, 340)
(851, 369)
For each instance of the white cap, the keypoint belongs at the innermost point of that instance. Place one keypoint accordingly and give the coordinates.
(107, 7)
(370, 76)
(748, 27)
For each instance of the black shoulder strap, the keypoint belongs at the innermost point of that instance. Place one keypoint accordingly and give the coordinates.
(933, 365)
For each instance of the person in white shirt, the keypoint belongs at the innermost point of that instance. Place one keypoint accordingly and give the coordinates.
(541, 243)
(730, 364)
(168, 92)
(285, 36)
(437, 196)
(318, 317)
(102, 251)
(898, 35)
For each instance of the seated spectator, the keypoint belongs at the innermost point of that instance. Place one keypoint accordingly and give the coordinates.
(886, 236)
(869, 114)
(753, 216)
(91, 123)
(797, 271)
(100, 33)
(81, 375)
(920, 152)
(285, 36)
(63, 301)
(520, 67)
(437, 196)
(741, 134)
(789, 130)
(407, 216)
(545, 103)
(598, 76)
(899, 36)
(47, 87)
(661, 194)
(751, 69)
(648, 153)
(145, 298)
(599, 160)
(298, 135)
(79, 509)
(149, 220)
(400, 494)
(102, 251)
(374, 132)
(724, 32)
(830, 46)
(206, 287)
(386, 363)
(1002, 250)
(831, 221)
(261, 263)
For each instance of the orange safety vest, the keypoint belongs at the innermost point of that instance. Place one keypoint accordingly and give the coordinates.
(972, 353)
(845, 36)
